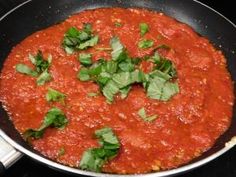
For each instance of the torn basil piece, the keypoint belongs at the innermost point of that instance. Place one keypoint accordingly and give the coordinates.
(54, 118)
(43, 78)
(75, 39)
(144, 28)
(145, 43)
(145, 117)
(24, 69)
(94, 158)
(54, 95)
(85, 59)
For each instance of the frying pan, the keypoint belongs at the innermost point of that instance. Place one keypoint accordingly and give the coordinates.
(34, 15)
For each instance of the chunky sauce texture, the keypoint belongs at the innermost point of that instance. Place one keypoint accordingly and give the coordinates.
(187, 125)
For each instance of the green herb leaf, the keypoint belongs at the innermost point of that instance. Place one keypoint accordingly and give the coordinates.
(125, 91)
(160, 74)
(143, 115)
(43, 78)
(40, 63)
(169, 90)
(103, 79)
(92, 94)
(161, 89)
(117, 24)
(164, 46)
(41, 67)
(33, 133)
(110, 66)
(54, 118)
(138, 76)
(75, 39)
(146, 43)
(61, 152)
(89, 43)
(166, 66)
(107, 138)
(118, 51)
(54, 95)
(122, 79)
(85, 59)
(94, 158)
(126, 66)
(83, 74)
(144, 28)
(24, 69)
(109, 90)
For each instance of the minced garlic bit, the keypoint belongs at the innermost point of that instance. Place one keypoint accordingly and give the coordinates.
(156, 166)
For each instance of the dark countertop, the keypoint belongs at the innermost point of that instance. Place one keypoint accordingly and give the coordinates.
(223, 166)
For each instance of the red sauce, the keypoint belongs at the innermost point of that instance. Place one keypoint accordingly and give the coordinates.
(188, 124)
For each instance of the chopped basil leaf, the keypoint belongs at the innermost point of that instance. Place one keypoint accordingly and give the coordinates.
(109, 90)
(160, 74)
(122, 79)
(87, 28)
(24, 69)
(61, 152)
(89, 43)
(41, 68)
(169, 90)
(138, 76)
(167, 67)
(118, 50)
(33, 133)
(146, 43)
(110, 66)
(143, 115)
(54, 95)
(92, 94)
(144, 28)
(107, 138)
(94, 158)
(117, 24)
(54, 118)
(126, 66)
(83, 74)
(161, 89)
(124, 92)
(75, 39)
(43, 78)
(40, 63)
(85, 59)
(163, 46)
(103, 79)
(156, 57)
(91, 160)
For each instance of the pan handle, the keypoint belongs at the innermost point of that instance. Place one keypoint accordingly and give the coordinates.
(8, 155)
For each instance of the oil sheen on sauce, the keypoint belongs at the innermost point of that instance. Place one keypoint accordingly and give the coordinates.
(187, 125)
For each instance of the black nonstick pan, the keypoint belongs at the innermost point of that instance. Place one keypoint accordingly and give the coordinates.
(34, 15)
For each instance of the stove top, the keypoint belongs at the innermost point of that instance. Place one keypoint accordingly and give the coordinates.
(224, 166)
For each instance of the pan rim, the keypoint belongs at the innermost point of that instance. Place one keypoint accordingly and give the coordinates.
(65, 168)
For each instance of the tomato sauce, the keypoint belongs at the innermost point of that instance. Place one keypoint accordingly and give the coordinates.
(187, 125)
